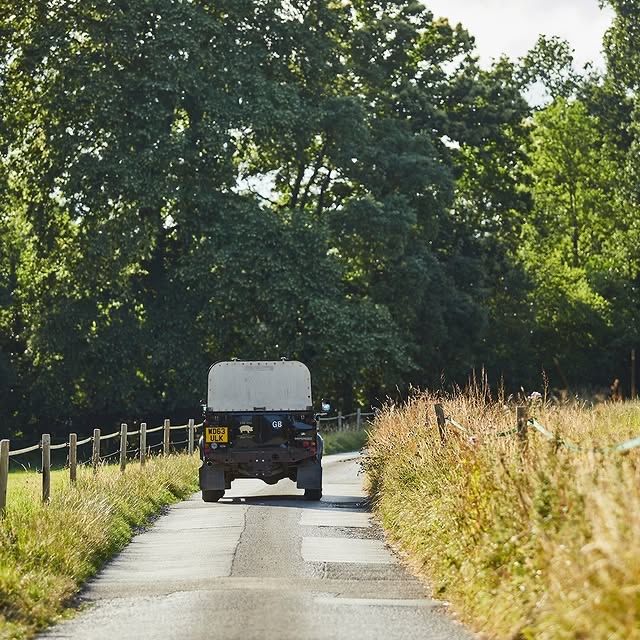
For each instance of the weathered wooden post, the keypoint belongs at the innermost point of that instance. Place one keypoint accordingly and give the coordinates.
(166, 437)
(123, 447)
(191, 435)
(73, 457)
(95, 457)
(522, 424)
(340, 420)
(143, 443)
(442, 422)
(46, 467)
(358, 419)
(4, 474)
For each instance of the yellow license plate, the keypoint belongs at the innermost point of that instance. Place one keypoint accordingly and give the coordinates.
(216, 434)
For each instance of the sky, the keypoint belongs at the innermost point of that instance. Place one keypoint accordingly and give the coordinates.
(512, 27)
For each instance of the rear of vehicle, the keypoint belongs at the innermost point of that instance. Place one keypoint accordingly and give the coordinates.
(259, 423)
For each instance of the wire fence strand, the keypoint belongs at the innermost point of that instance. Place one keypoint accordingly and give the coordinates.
(623, 447)
(109, 455)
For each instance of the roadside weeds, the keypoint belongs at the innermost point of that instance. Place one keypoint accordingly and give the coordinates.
(524, 544)
(47, 551)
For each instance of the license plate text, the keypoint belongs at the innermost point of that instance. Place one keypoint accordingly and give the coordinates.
(216, 434)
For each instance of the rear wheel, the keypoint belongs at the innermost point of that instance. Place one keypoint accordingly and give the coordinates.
(210, 495)
(312, 494)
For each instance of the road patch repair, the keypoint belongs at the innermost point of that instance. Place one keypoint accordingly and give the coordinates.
(262, 563)
(330, 518)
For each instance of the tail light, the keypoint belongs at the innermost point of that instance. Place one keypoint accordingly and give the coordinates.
(310, 444)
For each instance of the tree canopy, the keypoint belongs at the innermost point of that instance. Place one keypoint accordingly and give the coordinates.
(338, 182)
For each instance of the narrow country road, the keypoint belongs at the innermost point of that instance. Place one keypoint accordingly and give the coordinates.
(261, 564)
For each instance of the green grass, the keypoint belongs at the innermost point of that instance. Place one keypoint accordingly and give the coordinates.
(342, 441)
(29, 483)
(48, 551)
(526, 544)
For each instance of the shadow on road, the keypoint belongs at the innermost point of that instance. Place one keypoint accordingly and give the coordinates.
(327, 502)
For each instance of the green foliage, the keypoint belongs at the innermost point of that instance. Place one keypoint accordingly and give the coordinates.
(336, 182)
(621, 43)
(344, 441)
(575, 243)
(550, 65)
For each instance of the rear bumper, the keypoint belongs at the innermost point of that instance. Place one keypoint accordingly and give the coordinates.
(219, 468)
(277, 455)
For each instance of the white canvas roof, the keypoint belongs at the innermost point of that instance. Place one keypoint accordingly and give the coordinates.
(259, 385)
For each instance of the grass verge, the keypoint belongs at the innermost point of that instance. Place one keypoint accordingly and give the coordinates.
(48, 551)
(537, 543)
(342, 441)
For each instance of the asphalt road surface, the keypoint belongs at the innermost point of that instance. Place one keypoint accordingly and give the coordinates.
(262, 563)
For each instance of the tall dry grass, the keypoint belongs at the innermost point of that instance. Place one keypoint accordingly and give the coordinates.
(537, 543)
(48, 551)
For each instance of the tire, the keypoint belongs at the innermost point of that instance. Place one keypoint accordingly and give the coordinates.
(312, 494)
(209, 495)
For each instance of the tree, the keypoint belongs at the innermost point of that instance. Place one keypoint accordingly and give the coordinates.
(575, 242)
(621, 44)
(118, 124)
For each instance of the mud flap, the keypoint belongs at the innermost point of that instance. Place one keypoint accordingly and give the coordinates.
(211, 477)
(310, 475)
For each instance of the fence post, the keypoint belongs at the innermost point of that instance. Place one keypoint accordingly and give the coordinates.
(442, 422)
(143, 443)
(339, 420)
(4, 474)
(73, 456)
(358, 419)
(191, 435)
(46, 467)
(166, 437)
(123, 447)
(95, 458)
(521, 424)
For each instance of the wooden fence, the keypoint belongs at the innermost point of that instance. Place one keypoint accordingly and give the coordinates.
(124, 453)
(348, 422)
(523, 423)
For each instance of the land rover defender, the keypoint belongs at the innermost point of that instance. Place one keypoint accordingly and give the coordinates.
(259, 423)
